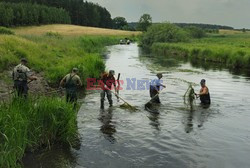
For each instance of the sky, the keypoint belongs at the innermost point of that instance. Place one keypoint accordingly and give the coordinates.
(235, 13)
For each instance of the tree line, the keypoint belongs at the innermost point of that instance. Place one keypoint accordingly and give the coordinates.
(81, 12)
(19, 14)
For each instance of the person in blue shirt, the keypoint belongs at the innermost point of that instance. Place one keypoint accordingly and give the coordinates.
(155, 86)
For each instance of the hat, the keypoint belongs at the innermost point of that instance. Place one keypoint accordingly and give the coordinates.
(203, 81)
(112, 72)
(24, 60)
(159, 74)
(75, 70)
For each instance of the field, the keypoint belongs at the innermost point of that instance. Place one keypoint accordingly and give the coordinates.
(71, 30)
(231, 48)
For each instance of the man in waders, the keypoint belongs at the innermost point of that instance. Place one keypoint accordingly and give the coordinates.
(155, 88)
(71, 82)
(204, 93)
(106, 83)
(20, 75)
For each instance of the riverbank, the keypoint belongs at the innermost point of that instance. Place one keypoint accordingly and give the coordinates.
(43, 121)
(230, 49)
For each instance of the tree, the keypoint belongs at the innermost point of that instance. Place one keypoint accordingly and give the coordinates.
(119, 22)
(144, 22)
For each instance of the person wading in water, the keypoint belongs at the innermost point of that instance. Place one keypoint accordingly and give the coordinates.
(71, 82)
(155, 88)
(204, 93)
(106, 83)
(20, 75)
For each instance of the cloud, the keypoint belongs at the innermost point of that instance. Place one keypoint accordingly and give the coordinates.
(225, 12)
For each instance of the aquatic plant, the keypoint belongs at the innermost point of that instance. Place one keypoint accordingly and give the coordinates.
(189, 97)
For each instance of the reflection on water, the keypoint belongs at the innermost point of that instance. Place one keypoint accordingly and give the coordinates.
(107, 127)
(170, 134)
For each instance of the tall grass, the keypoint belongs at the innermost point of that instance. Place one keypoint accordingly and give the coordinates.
(30, 124)
(54, 56)
(230, 50)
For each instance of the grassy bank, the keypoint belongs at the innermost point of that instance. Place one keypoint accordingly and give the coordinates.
(55, 55)
(34, 123)
(230, 49)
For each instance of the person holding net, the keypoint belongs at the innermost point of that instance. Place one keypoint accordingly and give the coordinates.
(155, 88)
(204, 94)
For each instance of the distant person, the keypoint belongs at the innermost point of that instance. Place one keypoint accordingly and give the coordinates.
(107, 81)
(204, 93)
(71, 82)
(20, 75)
(155, 86)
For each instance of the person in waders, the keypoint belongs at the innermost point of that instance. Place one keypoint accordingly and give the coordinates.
(71, 82)
(20, 75)
(107, 81)
(204, 93)
(155, 86)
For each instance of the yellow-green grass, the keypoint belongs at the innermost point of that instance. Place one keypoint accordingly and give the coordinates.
(71, 30)
(231, 32)
(232, 50)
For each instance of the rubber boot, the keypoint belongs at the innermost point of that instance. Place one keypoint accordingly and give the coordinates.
(102, 105)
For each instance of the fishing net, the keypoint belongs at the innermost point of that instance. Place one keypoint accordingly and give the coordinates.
(189, 97)
(128, 107)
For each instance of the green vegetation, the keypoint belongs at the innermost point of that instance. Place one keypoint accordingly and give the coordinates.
(17, 14)
(144, 23)
(31, 124)
(55, 56)
(230, 50)
(81, 12)
(4, 30)
(166, 32)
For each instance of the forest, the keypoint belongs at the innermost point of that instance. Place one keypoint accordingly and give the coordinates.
(81, 12)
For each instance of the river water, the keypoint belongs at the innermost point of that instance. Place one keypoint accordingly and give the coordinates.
(218, 136)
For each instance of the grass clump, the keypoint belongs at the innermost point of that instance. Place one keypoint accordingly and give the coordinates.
(4, 30)
(54, 35)
(30, 124)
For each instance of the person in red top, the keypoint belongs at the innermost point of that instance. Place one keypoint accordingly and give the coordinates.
(106, 82)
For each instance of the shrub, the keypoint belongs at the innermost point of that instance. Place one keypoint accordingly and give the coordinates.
(166, 32)
(7, 31)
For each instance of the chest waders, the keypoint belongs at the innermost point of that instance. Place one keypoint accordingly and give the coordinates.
(71, 90)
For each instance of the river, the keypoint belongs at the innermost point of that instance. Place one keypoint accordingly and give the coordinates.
(218, 136)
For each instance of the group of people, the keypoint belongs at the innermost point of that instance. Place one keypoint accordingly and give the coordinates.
(21, 74)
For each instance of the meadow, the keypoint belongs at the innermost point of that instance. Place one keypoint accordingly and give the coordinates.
(39, 122)
(231, 48)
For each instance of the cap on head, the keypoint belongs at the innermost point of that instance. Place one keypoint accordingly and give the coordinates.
(75, 70)
(24, 60)
(203, 81)
(112, 72)
(159, 75)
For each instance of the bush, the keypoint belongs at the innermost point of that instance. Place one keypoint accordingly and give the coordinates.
(4, 30)
(195, 32)
(166, 32)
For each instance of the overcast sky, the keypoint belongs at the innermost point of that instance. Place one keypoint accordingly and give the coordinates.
(234, 13)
